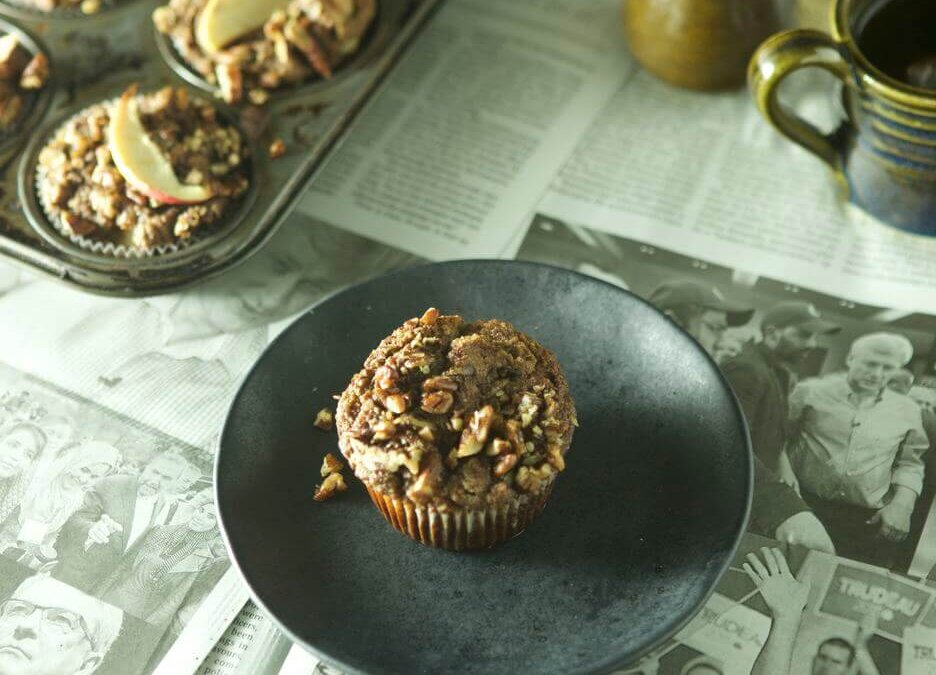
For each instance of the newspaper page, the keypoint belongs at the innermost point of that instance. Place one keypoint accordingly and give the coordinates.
(473, 125)
(252, 645)
(109, 415)
(822, 320)
(714, 178)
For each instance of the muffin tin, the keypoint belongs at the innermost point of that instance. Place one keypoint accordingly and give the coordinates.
(94, 58)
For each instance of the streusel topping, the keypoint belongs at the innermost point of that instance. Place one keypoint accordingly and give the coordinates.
(457, 413)
(81, 186)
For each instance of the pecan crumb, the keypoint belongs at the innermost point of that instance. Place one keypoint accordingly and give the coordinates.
(437, 402)
(396, 404)
(325, 419)
(330, 465)
(277, 148)
(429, 317)
(333, 484)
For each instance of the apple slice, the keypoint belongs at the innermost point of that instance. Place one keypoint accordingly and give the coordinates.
(222, 21)
(141, 162)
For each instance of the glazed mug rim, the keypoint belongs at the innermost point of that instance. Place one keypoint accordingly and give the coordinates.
(869, 74)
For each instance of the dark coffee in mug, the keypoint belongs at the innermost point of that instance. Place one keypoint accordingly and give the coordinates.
(899, 38)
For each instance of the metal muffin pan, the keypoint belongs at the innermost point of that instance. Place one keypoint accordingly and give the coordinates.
(94, 58)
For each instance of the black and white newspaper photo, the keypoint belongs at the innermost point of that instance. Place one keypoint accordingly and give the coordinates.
(108, 536)
(501, 130)
(840, 399)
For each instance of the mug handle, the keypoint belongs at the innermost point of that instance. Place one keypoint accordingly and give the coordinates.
(781, 55)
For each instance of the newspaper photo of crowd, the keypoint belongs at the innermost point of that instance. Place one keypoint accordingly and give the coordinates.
(840, 401)
(108, 534)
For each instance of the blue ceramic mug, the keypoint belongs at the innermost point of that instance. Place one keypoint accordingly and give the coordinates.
(885, 151)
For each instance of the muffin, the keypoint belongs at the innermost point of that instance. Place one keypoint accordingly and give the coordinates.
(142, 172)
(20, 74)
(85, 6)
(247, 52)
(457, 429)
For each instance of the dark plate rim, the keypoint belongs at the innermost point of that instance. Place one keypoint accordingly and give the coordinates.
(610, 664)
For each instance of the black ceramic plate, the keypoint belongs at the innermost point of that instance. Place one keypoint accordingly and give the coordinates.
(638, 530)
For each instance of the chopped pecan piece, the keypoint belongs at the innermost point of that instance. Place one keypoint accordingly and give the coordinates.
(386, 377)
(531, 479)
(332, 485)
(439, 383)
(230, 82)
(309, 46)
(514, 435)
(324, 419)
(429, 317)
(384, 430)
(396, 403)
(277, 148)
(330, 465)
(481, 422)
(555, 458)
(258, 96)
(469, 445)
(76, 224)
(498, 447)
(36, 73)
(413, 421)
(505, 464)
(437, 402)
(427, 434)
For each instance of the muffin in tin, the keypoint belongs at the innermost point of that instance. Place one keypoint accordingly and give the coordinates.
(457, 429)
(21, 74)
(142, 172)
(248, 49)
(83, 6)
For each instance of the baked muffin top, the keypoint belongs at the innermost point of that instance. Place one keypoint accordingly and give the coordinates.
(20, 73)
(455, 413)
(82, 187)
(299, 40)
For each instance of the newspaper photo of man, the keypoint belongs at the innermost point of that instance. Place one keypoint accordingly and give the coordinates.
(856, 450)
(835, 656)
(30, 533)
(776, 511)
(50, 628)
(117, 512)
(699, 309)
(153, 580)
(106, 519)
(765, 371)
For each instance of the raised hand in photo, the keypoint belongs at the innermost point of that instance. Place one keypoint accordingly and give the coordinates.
(786, 598)
(101, 531)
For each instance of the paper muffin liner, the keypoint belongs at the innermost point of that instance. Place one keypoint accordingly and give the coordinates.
(110, 248)
(98, 246)
(460, 529)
